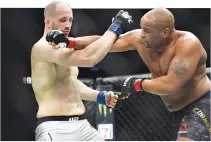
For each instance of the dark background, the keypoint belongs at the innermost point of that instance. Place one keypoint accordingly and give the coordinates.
(21, 28)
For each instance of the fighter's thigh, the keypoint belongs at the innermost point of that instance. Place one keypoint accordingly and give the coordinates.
(89, 133)
(57, 131)
(44, 137)
(95, 135)
(196, 125)
(59, 135)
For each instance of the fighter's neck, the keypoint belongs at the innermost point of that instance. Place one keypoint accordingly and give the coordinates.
(45, 32)
(168, 42)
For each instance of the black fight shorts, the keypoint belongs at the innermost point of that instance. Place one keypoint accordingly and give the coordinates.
(193, 121)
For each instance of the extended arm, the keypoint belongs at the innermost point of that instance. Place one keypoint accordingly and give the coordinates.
(90, 55)
(89, 94)
(125, 42)
(82, 42)
(87, 57)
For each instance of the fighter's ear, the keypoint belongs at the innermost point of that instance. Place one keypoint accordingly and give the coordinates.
(47, 22)
(166, 32)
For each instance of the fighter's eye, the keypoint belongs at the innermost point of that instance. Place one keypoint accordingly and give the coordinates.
(71, 20)
(63, 20)
(146, 31)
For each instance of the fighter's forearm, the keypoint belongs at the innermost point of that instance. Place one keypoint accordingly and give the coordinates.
(82, 42)
(118, 46)
(121, 45)
(87, 93)
(159, 86)
(96, 51)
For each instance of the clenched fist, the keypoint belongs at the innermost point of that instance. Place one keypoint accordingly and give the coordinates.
(121, 23)
(57, 39)
(111, 99)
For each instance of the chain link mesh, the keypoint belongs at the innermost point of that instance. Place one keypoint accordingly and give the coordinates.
(141, 117)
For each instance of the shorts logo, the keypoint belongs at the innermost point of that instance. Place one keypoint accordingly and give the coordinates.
(104, 110)
(203, 117)
(183, 128)
(74, 119)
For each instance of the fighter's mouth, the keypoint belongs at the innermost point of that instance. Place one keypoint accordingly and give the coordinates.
(144, 43)
(66, 33)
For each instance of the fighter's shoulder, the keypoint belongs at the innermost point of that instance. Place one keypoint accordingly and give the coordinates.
(41, 42)
(38, 46)
(39, 49)
(188, 41)
(135, 31)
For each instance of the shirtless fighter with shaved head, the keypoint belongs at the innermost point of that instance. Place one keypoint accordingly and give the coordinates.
(58, 92)
(177, 62)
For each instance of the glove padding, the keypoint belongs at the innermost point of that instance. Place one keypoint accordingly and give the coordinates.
(128, 86)
(121, 23)
(56, 37)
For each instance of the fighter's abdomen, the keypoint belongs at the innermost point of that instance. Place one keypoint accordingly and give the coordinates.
(189, 93)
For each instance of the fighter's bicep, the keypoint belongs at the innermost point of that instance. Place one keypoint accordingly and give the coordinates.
(184, 63)
(125, 42)
(63, 56)
(70, 57)
(181, 71)
(60, 56)
(121, 45)
(178, 68)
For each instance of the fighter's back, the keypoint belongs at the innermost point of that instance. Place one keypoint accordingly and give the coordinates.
(54, 86)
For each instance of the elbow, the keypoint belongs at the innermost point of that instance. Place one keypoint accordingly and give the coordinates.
(93, 62)
(90, 62)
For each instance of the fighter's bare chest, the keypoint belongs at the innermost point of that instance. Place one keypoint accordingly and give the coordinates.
(64, 72)
(158, 64)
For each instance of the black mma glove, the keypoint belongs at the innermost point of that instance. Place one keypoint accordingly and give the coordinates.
(121, 23)
(58, 37)
(132, 85)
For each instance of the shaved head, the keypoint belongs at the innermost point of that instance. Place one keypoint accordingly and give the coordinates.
(157, 27)
(160, 17)
(50, 9)
(58, 15)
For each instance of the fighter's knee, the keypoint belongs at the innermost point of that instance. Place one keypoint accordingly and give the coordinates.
(183, 139)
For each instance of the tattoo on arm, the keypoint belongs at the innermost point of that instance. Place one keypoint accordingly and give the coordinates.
(179, 69)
